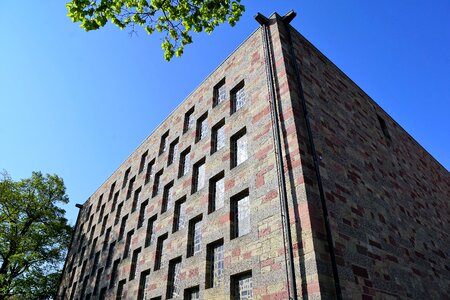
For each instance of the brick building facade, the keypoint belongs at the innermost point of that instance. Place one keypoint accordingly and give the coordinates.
(240, 192)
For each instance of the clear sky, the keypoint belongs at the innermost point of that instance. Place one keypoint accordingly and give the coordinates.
(77, 104)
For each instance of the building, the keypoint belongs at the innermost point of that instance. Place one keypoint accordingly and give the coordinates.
(276, 178)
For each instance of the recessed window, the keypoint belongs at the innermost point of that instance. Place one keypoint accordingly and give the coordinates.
(142, 213)
(384, 128)
(142, 163)
(114, 203)
(173, 278)
(239, 148)
(144, 285)
(216, 192)
(160, 252)
(150, 232)
(214, 264)
(163, 144)
(219, 93)
(156, 182)
(167, 201)
(125, 177)
(102, 211)
(118, 212)
(74, 288)
(94, 244)
(102, 295)
(97, 280)
(105, 220)
(99, 204)
(91, 219)
(188, 120)
(130, 187)
(111, 190)
(106, 240)
(198, 176)
(173, 152)
(192, 293)
(134, 263)
(95, 264)
(121, 290)
(149, 171)
(83, 251)
(110, 254)
(202, 127)
(218, 136)
(185, 162)
(84, 286)
(242, 286)
(92, 232)
(114, 273)
(195, 236)
(179, 215)
(123, 224)
(237, 96)
(127, 247)
(240, 214)
(137, 193)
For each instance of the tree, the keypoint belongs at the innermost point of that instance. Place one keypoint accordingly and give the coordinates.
(176, 19)
(34, 236)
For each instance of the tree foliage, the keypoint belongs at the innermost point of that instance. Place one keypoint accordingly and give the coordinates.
(176, 19)
(34, 236)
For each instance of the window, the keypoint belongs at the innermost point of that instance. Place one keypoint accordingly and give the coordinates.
(83, 268)
(219, 93)
(110, 254)
(163, 145)
(111, 190)
(114, 203)
(173, 278)
(84, 286)
(142, 163)
(94, 244)
(130, 187)
(173, 152)
(214, 264)
(156, 182)
(159, 255)
(237, 97)
(384, 128)
(185, 162)
(202, 127)
(127, 248)
(125, 177)
(92, 233)
(97, 280)
(242, 286)
(100, 199)
(240, 214)
(198, 176)
(167, 202)
(188, 120)
(102, 211)
(91, 219)
(142, 213)
(72, 293)
(114, 273)
(149, 172)
(83, 251)
(150, 234)
(122, 226)
(179, 215)
(102, 295)
(239, 148)
(144, 285)
(218, 136)
(120, 290)
(194, 242)
(135, 199)
(106, 240)
(216, 192)
(105, 220)
(134, 263)
(192, 293)
(95, 264)
(118, 212)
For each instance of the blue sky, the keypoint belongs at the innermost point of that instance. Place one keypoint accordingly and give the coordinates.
(77, 104)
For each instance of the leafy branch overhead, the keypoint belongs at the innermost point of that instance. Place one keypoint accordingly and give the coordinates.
(176, 19)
